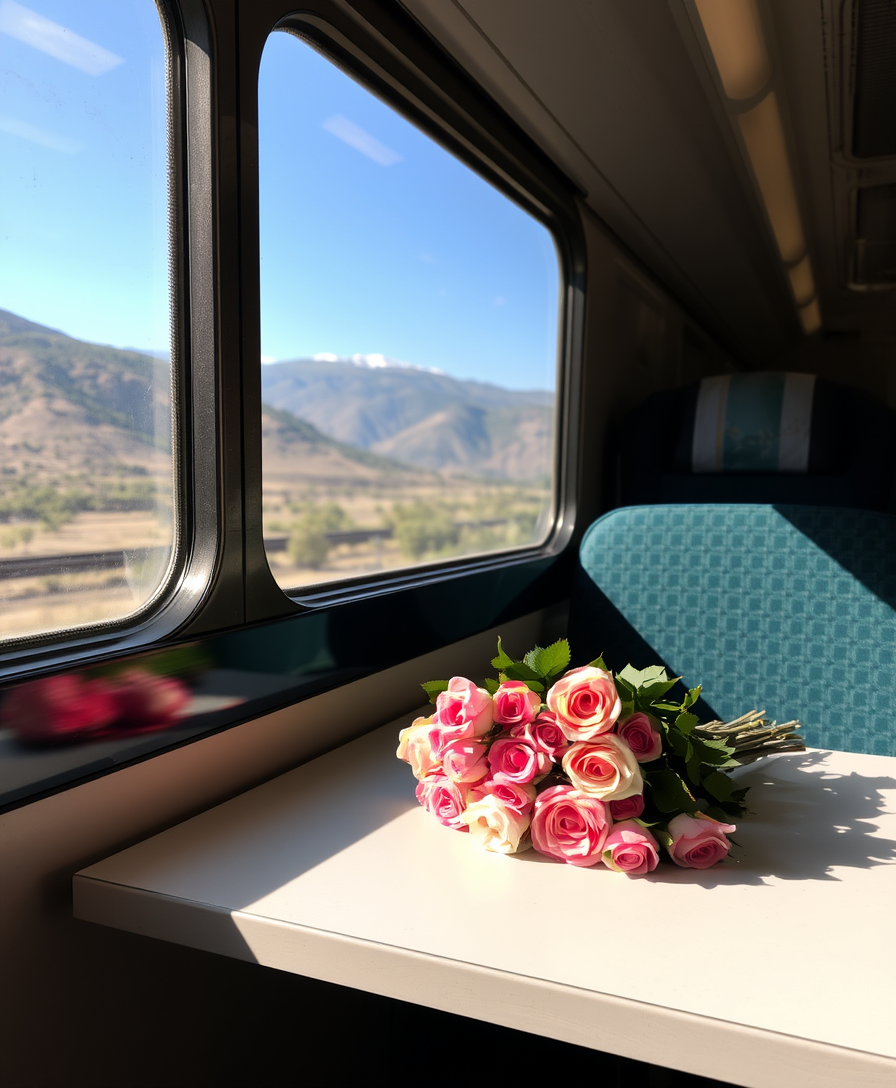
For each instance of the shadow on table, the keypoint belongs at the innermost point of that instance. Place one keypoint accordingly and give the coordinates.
(804, 823)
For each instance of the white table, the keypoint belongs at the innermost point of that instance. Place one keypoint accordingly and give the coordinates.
(333, 871)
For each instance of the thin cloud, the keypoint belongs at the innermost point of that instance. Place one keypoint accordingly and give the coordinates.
(55, 40)
(362, 141)
(269, 359)
(40, 136)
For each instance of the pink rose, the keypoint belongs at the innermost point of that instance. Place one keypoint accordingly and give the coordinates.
(444, 800)
(511, 794)
(495, 826)
(585, 702)
(415, 747)
(630, 848)
(698, 841)
(463, 710)
(569, 825)
(543, 734)
(512, 759)
(640, 733)
(515, 704)
(464, 760)
(59, 709)
(629, 808)
(605, 767)
(147, 701)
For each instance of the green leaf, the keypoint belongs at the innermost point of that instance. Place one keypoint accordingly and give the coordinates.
(551, 660)
(624, 689)
(692, 696)
(679, 743)
(669, 792)
(657, 688)
(491, 684)
(686, 722)
(672, 707)
(719, 786)
(433, 688)
(728, 765)
(636, 677)
(598, 663)
(501, 661)
(531, 657)
(518, 670)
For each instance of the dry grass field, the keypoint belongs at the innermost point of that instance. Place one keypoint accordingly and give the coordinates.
(430, 518)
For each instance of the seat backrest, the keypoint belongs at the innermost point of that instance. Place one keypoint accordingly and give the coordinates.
(784, 608)
(761, 437)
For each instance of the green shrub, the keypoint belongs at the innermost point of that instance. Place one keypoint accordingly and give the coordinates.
(422, 527)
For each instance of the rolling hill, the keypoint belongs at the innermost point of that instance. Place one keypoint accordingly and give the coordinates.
(69, 408)
(82, 414)
(418, 416)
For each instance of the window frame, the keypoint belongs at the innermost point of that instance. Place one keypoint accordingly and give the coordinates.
(224, 597)
(412, 75)
(196, 440)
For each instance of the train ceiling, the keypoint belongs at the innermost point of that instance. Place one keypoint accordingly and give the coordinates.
(627, 99)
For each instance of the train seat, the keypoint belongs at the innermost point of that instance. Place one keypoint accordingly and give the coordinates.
(765, 437)
(790, 609)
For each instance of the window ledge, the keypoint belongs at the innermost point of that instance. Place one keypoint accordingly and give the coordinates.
(333, 871)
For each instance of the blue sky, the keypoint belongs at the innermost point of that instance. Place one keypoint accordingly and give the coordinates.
(373, 238)
(83, 190)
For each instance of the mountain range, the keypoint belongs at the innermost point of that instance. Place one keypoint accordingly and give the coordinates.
(72, 407)
(69, 407)
(421, 417)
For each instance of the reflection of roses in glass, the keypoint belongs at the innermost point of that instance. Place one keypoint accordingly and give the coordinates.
(146, 702)
(70, 707)
(59, 709)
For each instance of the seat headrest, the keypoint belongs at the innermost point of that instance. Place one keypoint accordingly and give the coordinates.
(753, 423)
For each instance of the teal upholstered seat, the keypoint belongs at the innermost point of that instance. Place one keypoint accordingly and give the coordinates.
(787, 608)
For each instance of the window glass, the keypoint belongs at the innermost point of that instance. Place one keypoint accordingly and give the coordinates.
(409, 339)
(85, 373)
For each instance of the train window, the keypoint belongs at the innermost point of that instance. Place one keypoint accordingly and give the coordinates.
(409, 339)
(86, 464)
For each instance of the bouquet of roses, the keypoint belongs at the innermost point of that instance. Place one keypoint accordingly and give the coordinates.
(581, 765)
